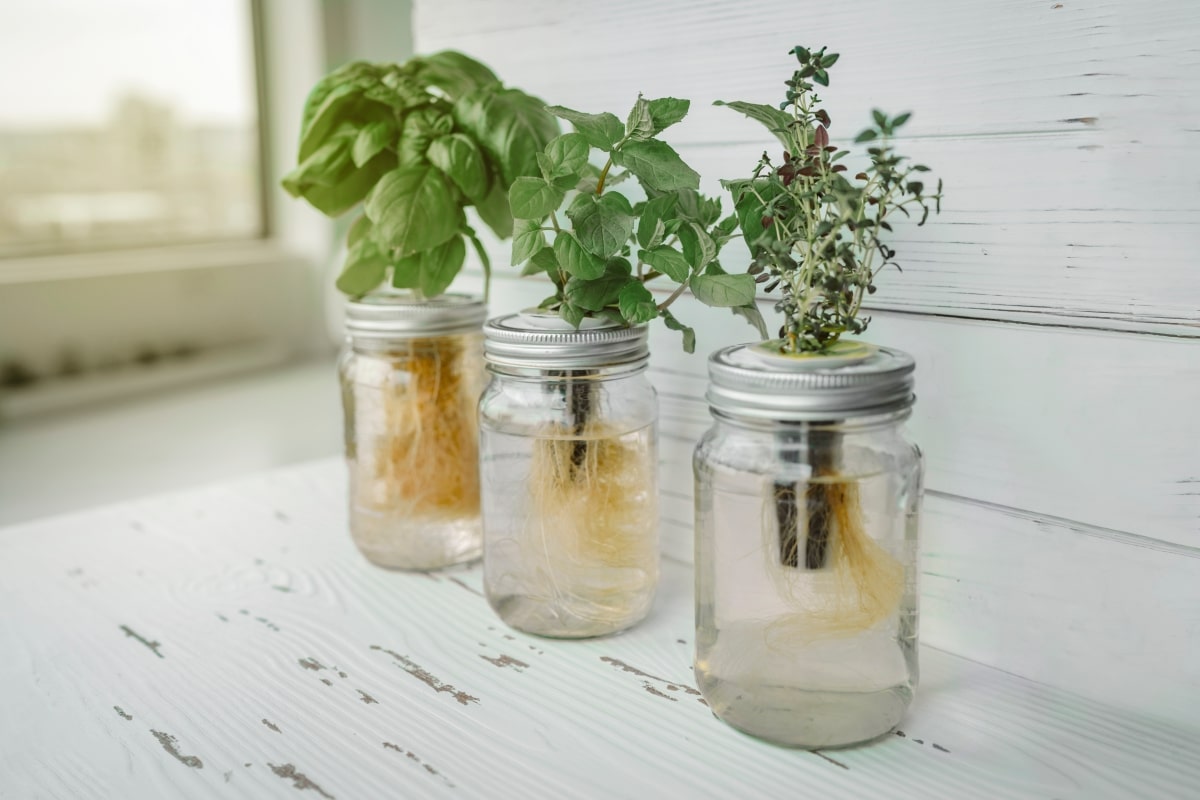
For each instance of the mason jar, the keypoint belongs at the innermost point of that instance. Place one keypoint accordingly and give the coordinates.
(411, 375)
(569, 469)
(807, 503)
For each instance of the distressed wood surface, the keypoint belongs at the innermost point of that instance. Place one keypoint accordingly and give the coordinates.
(1067, 133)
(229, 641)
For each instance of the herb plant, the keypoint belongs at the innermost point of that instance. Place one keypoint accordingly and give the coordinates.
(813, 232)
(420, 142)
(606, 252)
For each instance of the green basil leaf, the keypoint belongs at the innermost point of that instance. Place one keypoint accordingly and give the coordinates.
(776, 121)
(458, 157)
(576, 260)
(414, 209)
(601, 224)
(371, 140)
(365, 269)
(666, 111)
(511, 127)
(636, 303)
(359, 230)
(533, 198)
(440, 264)
(723, 291)
(602, 131)
(657, 166)
(668, 261)
(493, 209)
(566, 155)
(528, 240)
(332, 102)
(689, 334)
(406, 273)
(454, 73)
(659, 209)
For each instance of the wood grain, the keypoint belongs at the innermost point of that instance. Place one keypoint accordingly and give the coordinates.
(1066, 133)
(264, 613)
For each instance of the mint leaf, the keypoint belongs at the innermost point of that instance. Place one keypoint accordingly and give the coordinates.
(528, 239)
(698, 247)
(657, 166)
(601, 224)
(454, 73)
(689, 334)
(440, 264)
(542, 261)
(414, 209)
(665, 112)
(776, 121)
(594, 295)
(660, 209)
(636, 303)
(365, 269)
(575, 260)
(668, 261)
(572, 314)
(566, 155)
(533, 198)
(752, 315)
(371, 139)
(602, 131)
(639, 126)
(459, 157)
(511, 127)
(723, 291)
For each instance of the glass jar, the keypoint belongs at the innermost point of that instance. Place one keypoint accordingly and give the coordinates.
(569, 470)
(411, 375)
(807, 503)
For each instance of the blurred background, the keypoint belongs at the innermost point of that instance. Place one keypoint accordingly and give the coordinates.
(166, 311)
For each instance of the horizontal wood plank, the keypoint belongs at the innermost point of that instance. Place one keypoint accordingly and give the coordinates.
(1066, 133)
(231, 641)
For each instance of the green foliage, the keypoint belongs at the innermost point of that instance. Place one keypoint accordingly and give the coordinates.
(814, 233)
(420, 142)
(603, 264)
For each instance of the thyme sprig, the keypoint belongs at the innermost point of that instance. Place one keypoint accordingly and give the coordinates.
(814, 233)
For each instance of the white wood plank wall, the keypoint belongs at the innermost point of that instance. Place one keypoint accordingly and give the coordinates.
(1054, 307)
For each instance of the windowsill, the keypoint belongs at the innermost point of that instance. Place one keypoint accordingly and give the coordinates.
(141, 260)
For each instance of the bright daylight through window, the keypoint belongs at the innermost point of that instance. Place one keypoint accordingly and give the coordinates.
(127, 123)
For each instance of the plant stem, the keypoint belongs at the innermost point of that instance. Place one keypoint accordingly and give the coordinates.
(603, 176)
(664, 305)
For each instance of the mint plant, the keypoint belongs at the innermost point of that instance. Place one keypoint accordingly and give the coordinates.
(608, 249)
(416, 143)
(814, 233)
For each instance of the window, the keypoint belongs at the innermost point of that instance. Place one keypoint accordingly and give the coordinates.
(127, 123)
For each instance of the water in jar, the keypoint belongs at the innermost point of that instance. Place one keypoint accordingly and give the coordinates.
(807, 640)
(571, 518)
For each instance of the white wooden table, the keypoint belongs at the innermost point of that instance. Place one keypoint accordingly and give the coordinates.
(229, 641)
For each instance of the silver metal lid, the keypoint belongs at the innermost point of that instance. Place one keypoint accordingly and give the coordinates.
(387, 315)
(537, 340)
(752, 381)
